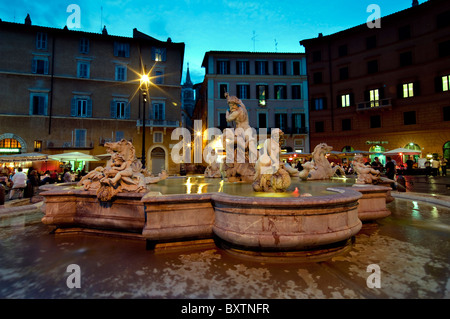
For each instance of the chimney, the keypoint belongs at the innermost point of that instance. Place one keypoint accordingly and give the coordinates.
(104, 31)
(28, 19)
(415, 3)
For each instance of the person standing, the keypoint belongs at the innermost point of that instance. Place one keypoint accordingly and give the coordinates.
(19, 183)
(435, 167)
(444, 166)
(390, 170)
(409, 165)
(376, 164)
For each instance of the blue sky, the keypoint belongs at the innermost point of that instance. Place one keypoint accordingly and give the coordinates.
(206, 25)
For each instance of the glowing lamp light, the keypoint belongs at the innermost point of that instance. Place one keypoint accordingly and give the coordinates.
(145, 81)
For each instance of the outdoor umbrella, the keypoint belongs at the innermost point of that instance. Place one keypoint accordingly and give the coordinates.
(74, 156)
(23, 157)
(403, 151)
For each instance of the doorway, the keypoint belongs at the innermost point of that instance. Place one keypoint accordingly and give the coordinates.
(158, 157)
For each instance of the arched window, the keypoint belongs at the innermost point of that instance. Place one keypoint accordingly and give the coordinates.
(10, 145)
(412, 146)
(446, 150)
(347, 149)
(378, 152)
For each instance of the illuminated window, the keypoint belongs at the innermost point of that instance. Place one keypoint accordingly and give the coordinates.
(408, 90)
(159, 54)
(262, 94)
(37, 146)
(446, 83)
(345, 100)
(374, 96)
(10, 143)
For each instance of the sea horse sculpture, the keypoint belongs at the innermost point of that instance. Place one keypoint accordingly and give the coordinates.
(322, 167)
(123, 173)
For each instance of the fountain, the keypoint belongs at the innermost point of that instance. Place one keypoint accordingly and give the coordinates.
(118, 200)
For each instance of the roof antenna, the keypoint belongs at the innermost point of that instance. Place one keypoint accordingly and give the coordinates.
(101, 17)
(254, 41)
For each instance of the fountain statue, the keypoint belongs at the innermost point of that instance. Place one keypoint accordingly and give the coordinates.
(213, 169)
(123, 173)
(270, 176)
(322, 168)
(366, 174)
(233, 169)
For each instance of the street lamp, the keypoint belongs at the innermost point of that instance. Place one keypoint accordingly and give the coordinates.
(144, 83)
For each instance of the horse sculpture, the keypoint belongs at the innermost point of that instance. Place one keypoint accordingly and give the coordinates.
(322, 167)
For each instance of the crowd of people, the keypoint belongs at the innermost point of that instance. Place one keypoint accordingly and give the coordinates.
(435, 167)
(26, 185)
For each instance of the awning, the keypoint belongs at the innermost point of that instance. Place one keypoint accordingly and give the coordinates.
(23, 157)
(404, 151)
(73, 156)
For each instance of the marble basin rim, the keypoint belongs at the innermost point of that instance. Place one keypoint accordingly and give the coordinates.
(286, 224)
(251, 222)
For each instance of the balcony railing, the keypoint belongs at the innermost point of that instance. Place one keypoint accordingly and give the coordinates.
(375, 105)
(158, 123)
(53, 144)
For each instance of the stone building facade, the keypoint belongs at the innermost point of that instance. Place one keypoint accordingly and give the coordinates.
(271, 85)
(66, 90)
(384, 88)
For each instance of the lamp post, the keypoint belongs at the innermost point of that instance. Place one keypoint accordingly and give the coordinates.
(144, 83)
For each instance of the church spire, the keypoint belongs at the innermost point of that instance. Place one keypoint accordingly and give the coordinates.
(188, 77)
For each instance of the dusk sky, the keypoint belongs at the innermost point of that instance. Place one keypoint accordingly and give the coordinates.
(206, 25)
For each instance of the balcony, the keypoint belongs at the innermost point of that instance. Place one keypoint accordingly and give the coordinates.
(384, 104)
(58, 144)
(158, 123)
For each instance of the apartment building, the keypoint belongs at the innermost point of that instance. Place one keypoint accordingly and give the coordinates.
(65, 90)
(378, 89)
(271, 85)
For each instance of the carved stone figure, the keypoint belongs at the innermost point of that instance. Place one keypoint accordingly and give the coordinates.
(122, 173)
(323, 168)
(270, 175)
(307, 167)
(366, 174)
(213, 169)
(235, 169)
(155, 179)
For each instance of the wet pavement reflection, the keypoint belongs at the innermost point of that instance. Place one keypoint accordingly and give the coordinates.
(411, 248)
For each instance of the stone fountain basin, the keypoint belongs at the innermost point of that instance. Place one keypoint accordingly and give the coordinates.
(290, 224)
(253, 223)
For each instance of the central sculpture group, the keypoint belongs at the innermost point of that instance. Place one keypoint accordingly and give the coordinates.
(268, 174)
